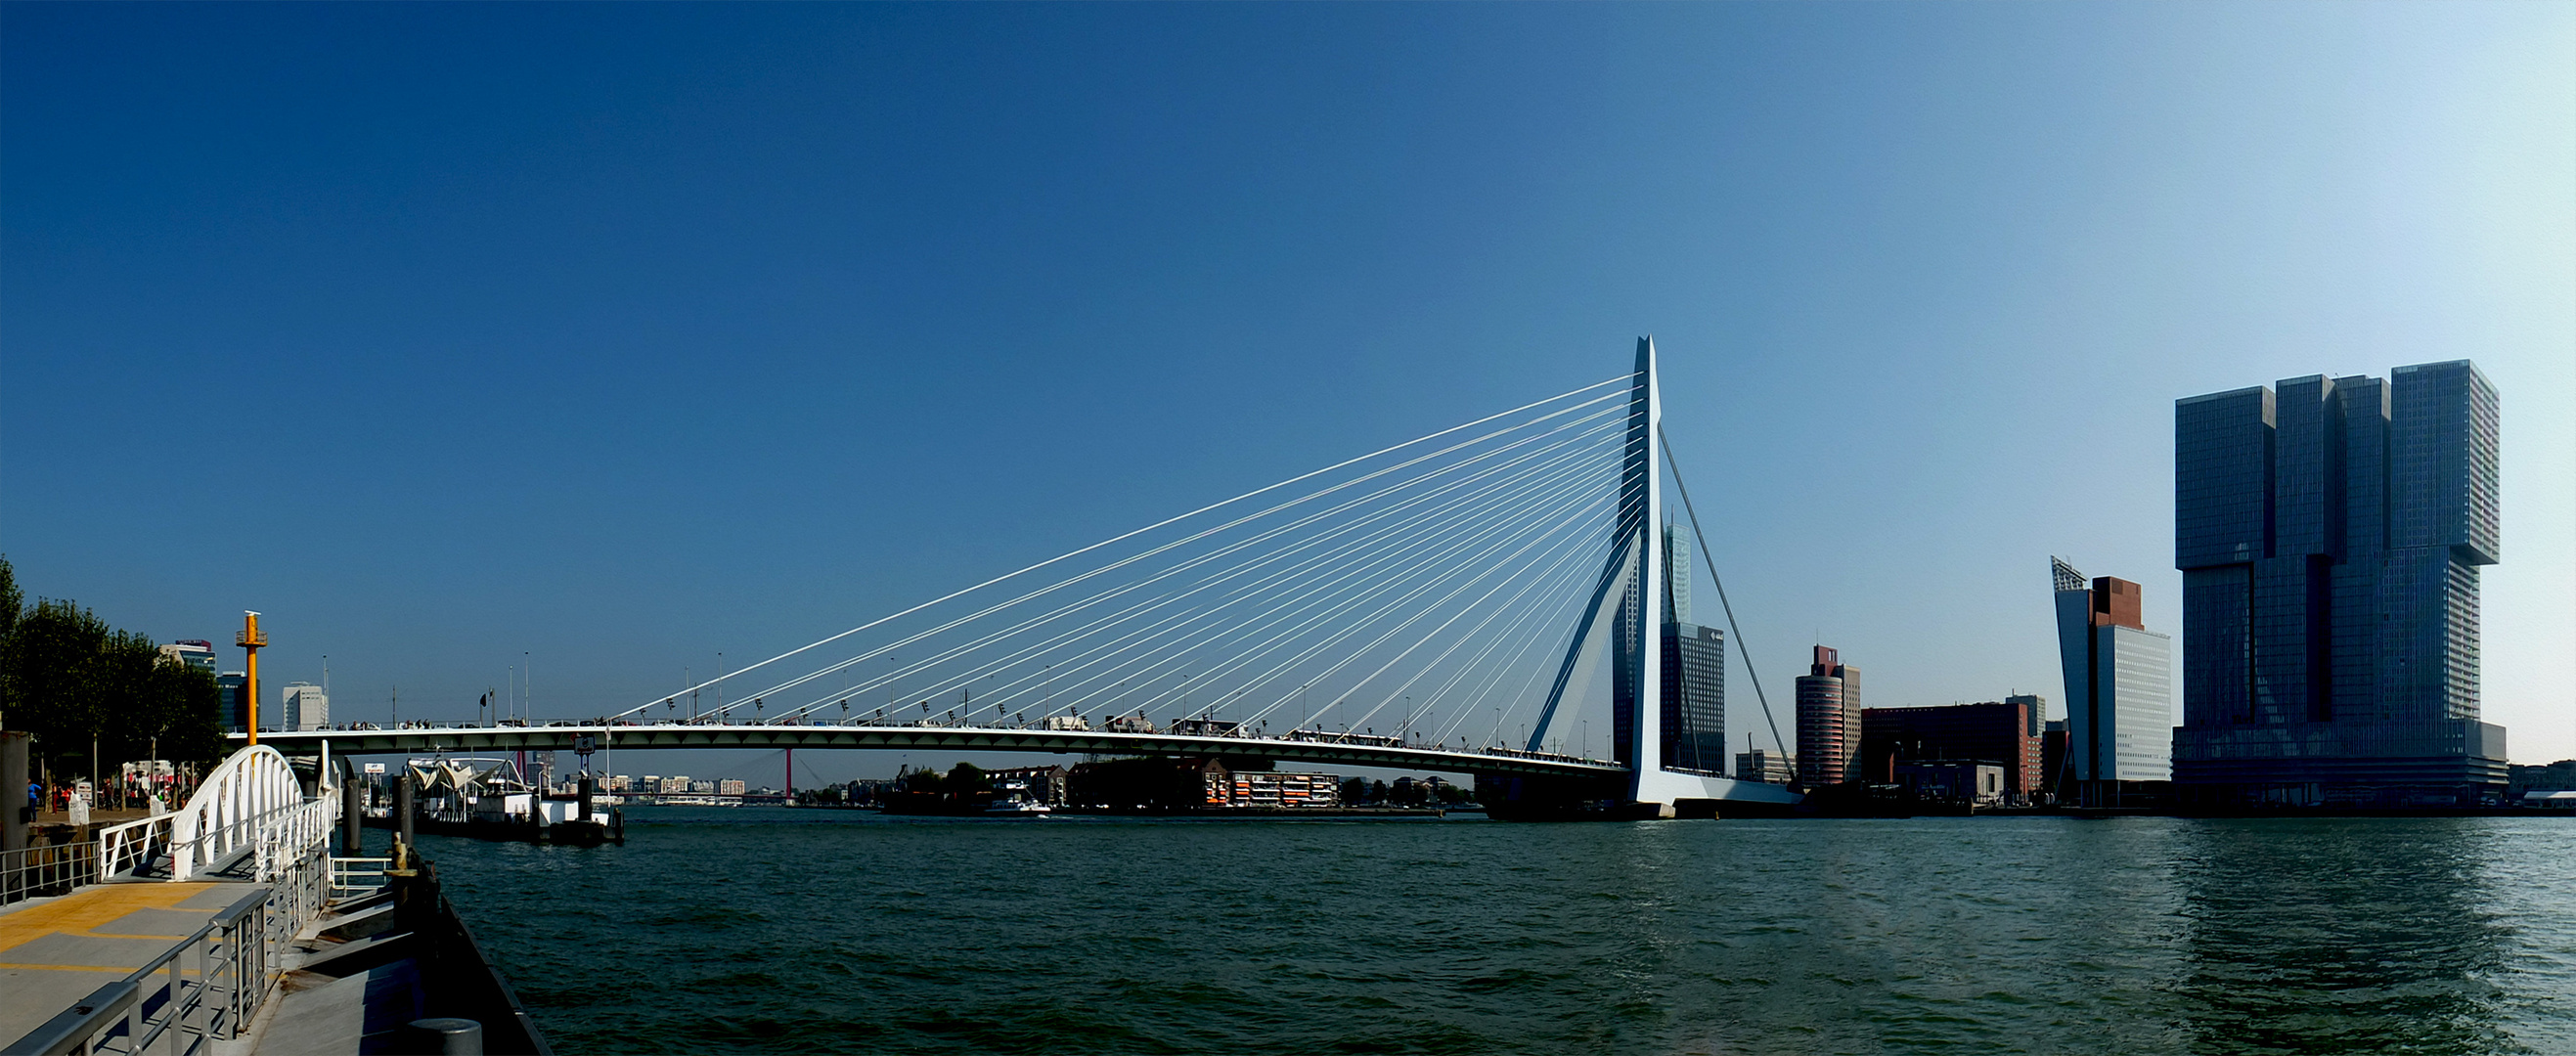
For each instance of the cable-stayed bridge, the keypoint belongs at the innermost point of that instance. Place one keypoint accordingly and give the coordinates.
(1449, 603)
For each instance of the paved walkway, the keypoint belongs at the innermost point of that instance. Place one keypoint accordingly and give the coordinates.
(55, 951)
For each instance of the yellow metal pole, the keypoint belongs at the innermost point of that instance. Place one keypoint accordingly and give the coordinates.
(250, 640)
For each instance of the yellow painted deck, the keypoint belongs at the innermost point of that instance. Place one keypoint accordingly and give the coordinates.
(55, 951)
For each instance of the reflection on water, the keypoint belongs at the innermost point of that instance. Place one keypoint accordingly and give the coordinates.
(2344, 935)
(802, 931)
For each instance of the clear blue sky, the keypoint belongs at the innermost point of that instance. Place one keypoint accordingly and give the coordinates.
(621, 335)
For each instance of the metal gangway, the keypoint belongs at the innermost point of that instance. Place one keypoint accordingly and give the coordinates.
(249, 825)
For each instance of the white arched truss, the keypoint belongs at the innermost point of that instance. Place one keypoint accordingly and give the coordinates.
(250, 803)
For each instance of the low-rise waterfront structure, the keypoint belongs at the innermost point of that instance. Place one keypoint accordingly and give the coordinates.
(1993, 732)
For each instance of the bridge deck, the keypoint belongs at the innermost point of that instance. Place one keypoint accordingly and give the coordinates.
(962, 738)
(55, 951)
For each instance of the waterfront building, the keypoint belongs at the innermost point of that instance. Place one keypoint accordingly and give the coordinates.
(2038, 709)
(304, 707)
(675, 786)
(234, 701)
(1263, 788)
(194, 652)
(1042, 784)
(1829, 719)
(1997, 733)
(1693, 672)
(731, 786)
(2119, 687)
(1768, 767)
(2330, 535)
(1983, 784)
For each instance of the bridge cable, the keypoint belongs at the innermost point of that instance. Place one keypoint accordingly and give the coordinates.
(1158, 524)
(1711, 562)
(1551, 465)
(1284, 611)
(1124, 562)
(1273, 583)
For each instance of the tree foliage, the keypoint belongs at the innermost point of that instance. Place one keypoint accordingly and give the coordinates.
(968, 779)
(80, 685)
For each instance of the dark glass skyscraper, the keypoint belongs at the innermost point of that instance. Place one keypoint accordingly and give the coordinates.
(2329, 535)
(1694, 674)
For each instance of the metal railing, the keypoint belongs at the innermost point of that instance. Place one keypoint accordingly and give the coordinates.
(52, 869)
(202, 992)
(233, 805)
(289, 835)
(358, 877)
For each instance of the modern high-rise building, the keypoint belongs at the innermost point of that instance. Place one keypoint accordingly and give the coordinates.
(1828, 720)
(235, 706)
(2119, 687)
(1693, 669)
(2329, 536)
(195, 653)
(1694, 698)
(306, 707)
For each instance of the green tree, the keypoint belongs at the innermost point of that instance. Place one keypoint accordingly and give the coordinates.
(59, 671)
(11, 600)
(922, 780)
(84, 688)
(968, 779)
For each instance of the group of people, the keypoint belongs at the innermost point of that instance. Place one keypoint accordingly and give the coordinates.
(73, 800)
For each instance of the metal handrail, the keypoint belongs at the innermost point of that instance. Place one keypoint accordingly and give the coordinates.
(351, 876)
(287, 835)
(45, 869)
(192, 1008)
(238, 800)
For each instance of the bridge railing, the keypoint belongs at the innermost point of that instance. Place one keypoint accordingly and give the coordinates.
(244, 794)
(50, 869)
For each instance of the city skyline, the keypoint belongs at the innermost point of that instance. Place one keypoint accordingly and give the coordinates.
(634, 337)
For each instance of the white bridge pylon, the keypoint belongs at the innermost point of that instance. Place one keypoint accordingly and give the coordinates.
(1636, 564)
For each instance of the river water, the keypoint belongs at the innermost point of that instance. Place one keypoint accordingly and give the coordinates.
(776, 930)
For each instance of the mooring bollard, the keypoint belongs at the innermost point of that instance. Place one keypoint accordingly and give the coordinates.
(448, 1036)
(402, 808)
(351, 814)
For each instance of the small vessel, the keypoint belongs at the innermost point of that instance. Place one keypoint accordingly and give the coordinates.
(1017, 805)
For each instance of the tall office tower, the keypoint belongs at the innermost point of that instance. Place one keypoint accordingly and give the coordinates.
(2119, 686)
(1694, 698)
(306, 707)
(1694, 673)
(1828, 720)
(2329, 537)
(235, 706)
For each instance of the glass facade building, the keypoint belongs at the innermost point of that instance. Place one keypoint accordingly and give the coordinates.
(235, 706)
(2329, 532)
(2119, 686)
(1693, 697)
